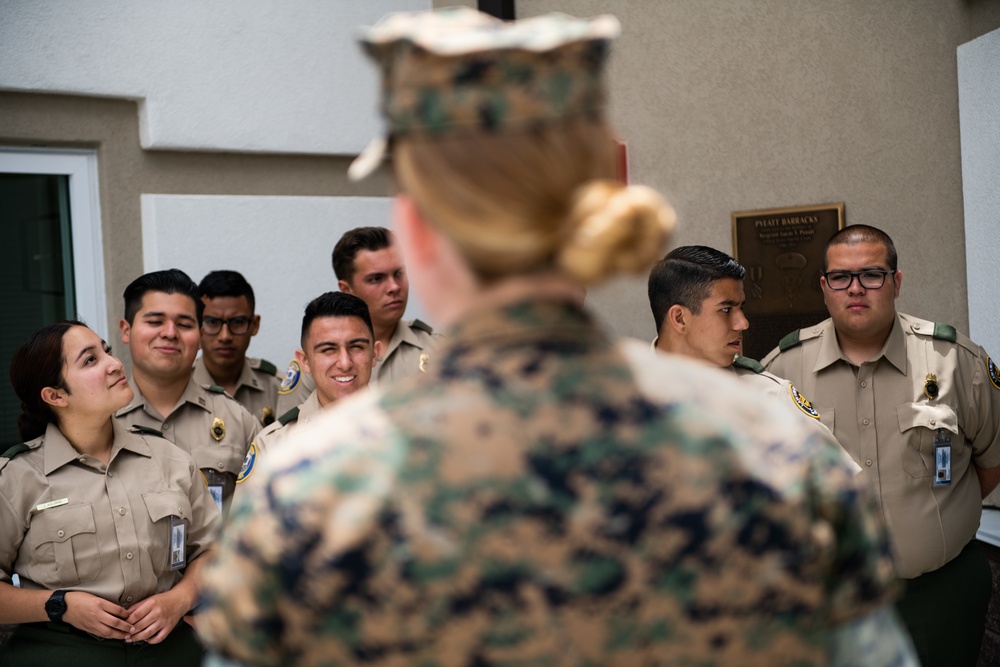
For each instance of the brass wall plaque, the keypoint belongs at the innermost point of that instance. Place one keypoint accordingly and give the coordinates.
(782, 251)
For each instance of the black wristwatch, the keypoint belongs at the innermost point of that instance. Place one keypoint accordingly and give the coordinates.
(55, 606)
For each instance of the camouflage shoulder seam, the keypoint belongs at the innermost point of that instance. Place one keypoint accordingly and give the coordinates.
(290, 416)
(422, 326)
(748, 363)
(266, 366)
(15, 450)
(146, 430)
(790, 340)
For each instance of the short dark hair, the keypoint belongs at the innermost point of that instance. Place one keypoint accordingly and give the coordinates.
(855, 234)
(226, 283)
(170, 281)
(38, 363)
(685, 276)
(355, 240)
(336, 304)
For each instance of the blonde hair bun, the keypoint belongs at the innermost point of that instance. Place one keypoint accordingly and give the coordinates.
(615, 229)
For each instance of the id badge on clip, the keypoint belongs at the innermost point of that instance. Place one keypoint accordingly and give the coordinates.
(178, 543)
(942, 458)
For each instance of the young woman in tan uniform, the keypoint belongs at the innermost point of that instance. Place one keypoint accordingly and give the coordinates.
(105, 527)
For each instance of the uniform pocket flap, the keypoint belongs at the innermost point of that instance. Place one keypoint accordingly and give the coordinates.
(913, 415)
(162, 504)
(59, 524)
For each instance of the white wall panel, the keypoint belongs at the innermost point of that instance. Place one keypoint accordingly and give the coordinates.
(280, 76)
(979, 110)
(281, 245)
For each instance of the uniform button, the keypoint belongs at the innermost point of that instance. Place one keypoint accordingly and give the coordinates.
(865, 422)
(220, 465)
(121, 510)
(61, 533)
(83, 459)
(868, 462)
(129, 555)
(128, 599)
(179, 512)
(166, 427)
(863, 384)
(917, 327)
(933, 421)
(109, 474)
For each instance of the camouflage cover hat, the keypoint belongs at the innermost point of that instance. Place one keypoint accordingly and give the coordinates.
(458, 70)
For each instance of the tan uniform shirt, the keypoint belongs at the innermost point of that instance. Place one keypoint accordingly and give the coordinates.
(210, 425)
(410, 350)
(275, 433)
(887, 414)
(256, 390)
(68, 521)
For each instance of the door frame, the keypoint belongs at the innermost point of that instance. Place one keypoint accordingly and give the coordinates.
(80, 165)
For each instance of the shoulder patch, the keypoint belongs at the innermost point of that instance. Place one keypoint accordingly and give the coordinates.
(293, 373)
(289, 417)
(145, 430)
(945, 332)
(749, 364)
(802, 402)
(248, 464)
(215, 389)
(15, 450)
(422, 326)
(266, 366)
(790, 341)
(992, 371)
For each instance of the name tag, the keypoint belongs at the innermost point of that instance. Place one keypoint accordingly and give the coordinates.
(178, 543)
(54, 503)
(942, 459)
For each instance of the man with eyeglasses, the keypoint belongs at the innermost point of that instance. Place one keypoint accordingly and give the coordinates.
(917, 405)
(227, 325)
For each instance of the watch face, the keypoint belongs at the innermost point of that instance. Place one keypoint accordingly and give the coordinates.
(55, 606)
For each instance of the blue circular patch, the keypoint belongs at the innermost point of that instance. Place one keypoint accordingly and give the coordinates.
(292, 376)
(803, 402)
(248, 464)
(994, 372)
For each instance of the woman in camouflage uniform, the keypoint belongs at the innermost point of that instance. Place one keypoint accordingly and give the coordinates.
(541, 495)
(105, 527)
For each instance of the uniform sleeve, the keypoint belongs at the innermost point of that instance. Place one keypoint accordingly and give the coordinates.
(12, 531)
(984, 408)
(205, 516)
(860, 576)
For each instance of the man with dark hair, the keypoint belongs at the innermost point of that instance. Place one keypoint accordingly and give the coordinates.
(160, 327)
(339, 351)
(917, 405)
(228, 323)
(696, 295)
(368, 264)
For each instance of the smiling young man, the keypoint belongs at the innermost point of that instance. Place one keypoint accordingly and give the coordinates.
(369, 264)
(228, 323)
(696, 295)
(160, 327)
(917, 405)
(339, 351)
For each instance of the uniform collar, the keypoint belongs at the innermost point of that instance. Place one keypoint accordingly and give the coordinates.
(894, 349)
(194, 393)
(310, 407)
(403, 334)
(247, 377)
(58, 451)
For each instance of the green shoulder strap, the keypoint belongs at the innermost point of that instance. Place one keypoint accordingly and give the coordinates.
(15, 450)
(789, 341)
(749, 364)
(267, 367)
(290, 416)
(146, 430)
(945, 332)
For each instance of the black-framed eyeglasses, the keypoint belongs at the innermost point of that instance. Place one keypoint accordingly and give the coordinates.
(237, 325)
(870, 279)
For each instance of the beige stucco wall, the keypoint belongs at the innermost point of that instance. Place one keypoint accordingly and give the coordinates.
(768, 103)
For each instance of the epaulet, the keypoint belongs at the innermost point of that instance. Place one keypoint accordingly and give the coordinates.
(290, 416)
(945, 332)
(146, 430)
(15, 450)
(214, 388)
(266, 366)
(790, 341)
(749, 364)
(422, 326)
